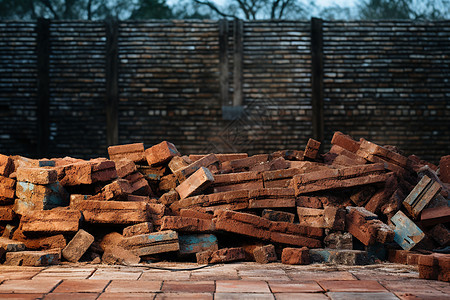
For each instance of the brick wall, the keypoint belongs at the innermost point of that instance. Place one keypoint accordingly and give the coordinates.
(385, 81)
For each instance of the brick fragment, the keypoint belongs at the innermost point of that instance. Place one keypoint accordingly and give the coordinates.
(7, 213)
(227, 255)
(73, 174)
(421, 195)
(345, 141)
(32, 196)
(338, 240)
(6, 165)
(376, 154)
(435, 215)
(36, 175)
(32, 258)
(223, 157)
(50, 222)
(265, 254)
(195, 213)
(103, 170)
(274, 164)
(329, 217)
(361, 196)
(52, 242)
(152, 243)
(186, 224)
(194, 243)
(8, 245)
(238, 181)
(114, 212)
(278, 216)
(139, 185)
(7, 190)
(134, 152)
(141, 228)
(117, 190)
(197, 182)
(9, 231)
(382, 196)
(210, 162)
(444, 169)
(435, 266)
(169, 197)
(177, 163)
(338, 178)
(311, 201)
(160, 153)
(340, 256)
(295, 256)
(125, 167)
(244, 164)
(115, 255)
(168, 182)
(312, 149)
(79, 244)
(342, 157)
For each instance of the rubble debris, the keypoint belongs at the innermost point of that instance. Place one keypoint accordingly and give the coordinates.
(156, 204)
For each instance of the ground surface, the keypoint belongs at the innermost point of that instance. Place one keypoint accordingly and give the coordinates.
(230, 281)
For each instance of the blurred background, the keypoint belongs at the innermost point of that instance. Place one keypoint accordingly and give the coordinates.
(250, 76)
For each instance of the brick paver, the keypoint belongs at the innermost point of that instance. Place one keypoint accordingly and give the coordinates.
(229, 281)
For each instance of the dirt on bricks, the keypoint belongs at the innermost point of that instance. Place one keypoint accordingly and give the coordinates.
(358, 203)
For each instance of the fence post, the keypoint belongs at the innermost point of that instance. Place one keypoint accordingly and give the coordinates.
(238, 61)
(112, 82)
(317, 79)
(43, 86)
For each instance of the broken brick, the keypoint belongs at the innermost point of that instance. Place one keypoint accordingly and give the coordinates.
(117, 190)
(103, 170)
(209, 161)
(7, 190)
(36, 175)
(125, 167)
(440, 234)
(32, 258)
(278, 216)
(345, 141)
(139, 185)
(197, 182)
(195, 213)
(186, 224)
(75, 173)
(141, 228)
(312, 149)
(226, 255)
(435, 215)
(53, 221)
(6, 165)
(134, 152)
(444, 169)
(152, 243)
(7, 213)
(295, 256)
(169, 197)
(265, 254)
(160, 153)
(237, 181)
(177, 163)
(79, 244)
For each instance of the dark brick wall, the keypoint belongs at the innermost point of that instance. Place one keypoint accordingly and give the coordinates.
(385, 81)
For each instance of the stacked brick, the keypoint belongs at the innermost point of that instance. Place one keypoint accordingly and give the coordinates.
(154, 203)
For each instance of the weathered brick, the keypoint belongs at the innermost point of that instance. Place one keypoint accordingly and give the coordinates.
(312, 149)
(134, 152)
(244, 164)
(77, 246)
(345, 141)
(168, 182)
(278, 216)
(195, 213)
(338, 240)
(177, 163)
(117, 190)
(141, 228)
(420, 196)
(103, 170)
(37, 197)
(7, 213)
(160, 153)
(194, 243)
(120, 256)
(125, 167)
(186, 224)
(223, 157)
(210, 161)
(198, 181)
(75, 173)
(114, 212)
(169, 197)
(342, 157)
(139, 185)
(152, 243)
(7, 190)
(6, 165)
(382, 196)
(238, 181)
(8, 245)
(32, 258)
(265, 254)
(440, 234)
(295, 256)
(53, 221)
(435, 215)
(272, 198)
(340, 256)
(227, 255)
(444, 168)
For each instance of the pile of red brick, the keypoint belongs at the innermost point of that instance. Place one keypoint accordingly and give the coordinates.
(346, 206)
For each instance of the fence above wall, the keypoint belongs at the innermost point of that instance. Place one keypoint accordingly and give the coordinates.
(73, 88)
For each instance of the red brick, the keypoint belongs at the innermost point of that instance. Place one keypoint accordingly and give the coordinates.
(237, 181)
(312, 149)
(169, 197)
(244, 164)
(382, 196)
(52, 242)
(168, 182)
(428, 267)
(79, 244)
(227, 255)
(198, 181)
(444, 169)
(125, 167)
(223, 157)
(371, 151)
(117, 190)
(134, 152)
(103, 170)
(280, 178)
(210, 161)
(295, 256)
(75, 173)
(265, 254)
(194, 201)
(161, 153)
(186, 224)
(311, 201)
(195, 213)
(141, 228)
(178, 163)
(398, 256)
(435, 215)
(6, 213)
(7, 190)
(6, 165)
(275, 164)
(342, 157)
(139, 185)
(32, 258)
(152, 243)
(114, 212)
(156, 211)
(53, 221)
(345, 141)
(440, 234)
(278, 216)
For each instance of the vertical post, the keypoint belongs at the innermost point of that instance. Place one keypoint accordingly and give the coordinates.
(238, 61)
(223, 62)
(317, 79)
(43, 86)
(112, 81)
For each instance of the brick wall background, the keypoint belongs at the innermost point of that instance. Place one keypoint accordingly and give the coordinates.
(385, 81)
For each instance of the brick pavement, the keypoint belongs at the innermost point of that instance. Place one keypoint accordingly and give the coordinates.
(230, 281)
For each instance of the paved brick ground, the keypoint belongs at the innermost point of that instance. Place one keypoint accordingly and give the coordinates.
(231, 281)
